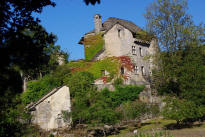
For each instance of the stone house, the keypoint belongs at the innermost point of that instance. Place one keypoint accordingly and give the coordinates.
(120, 41)
(48, 111)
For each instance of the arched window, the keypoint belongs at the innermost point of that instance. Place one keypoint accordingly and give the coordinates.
(143, 70)
(140, 50)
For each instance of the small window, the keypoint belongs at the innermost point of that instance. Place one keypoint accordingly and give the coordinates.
(143, 70)
(136, 70)
(122, 70)
(134, 50)
(119, 33)
(103, 72)
(140, 50)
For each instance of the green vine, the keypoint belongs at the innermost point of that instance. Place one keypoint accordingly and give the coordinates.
(111, 65)
(93, 45)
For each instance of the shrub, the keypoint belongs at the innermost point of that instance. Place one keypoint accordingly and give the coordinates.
(132, 110)
(79, 83)
(181, 110)
(38, 88)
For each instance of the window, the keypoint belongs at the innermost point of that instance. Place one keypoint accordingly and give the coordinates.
(122, 70)
(103, 72)
(140, 49)
(134, 50)
(143, 70)
(119, 33)
(136, 70)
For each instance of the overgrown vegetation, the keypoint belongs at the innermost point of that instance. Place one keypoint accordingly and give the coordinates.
(144, 35)
(93, 45)
(110, 64)
(38, 88)
(100, 107)
(181, 67)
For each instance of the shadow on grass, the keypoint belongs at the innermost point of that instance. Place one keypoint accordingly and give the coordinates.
(174, 126)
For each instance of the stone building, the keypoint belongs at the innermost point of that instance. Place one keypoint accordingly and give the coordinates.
(120, 40)
(48, 111)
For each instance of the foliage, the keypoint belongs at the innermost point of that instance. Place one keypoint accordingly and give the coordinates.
(97, 107)
(118, 82)
(132, 110)
(93, 2)
(15, 120)
(181, 110)
(144, 35)
(79, 83)
(93, 45)
(38, 88)
(95, 68)
(180, 64)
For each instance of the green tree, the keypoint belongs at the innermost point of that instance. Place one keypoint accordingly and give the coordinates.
(180, 60)
(182, 110)
(178, 39)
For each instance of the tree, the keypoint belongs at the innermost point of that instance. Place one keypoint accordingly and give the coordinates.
(179, 110)
(177, 36)
(181, 66)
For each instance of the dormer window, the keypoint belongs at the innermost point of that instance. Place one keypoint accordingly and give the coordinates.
(140, 50)
(134, 50)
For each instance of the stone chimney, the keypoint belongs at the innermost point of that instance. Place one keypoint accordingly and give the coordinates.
(98, 23)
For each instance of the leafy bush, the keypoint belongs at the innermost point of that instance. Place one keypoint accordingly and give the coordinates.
(94, 107)
(181, 110)
(79, 83)
(38, 88)
(125, 93)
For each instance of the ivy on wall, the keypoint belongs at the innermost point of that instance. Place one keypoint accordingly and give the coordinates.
(111, 64)
(93, 45)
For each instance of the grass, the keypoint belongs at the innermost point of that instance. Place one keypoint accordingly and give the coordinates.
(158, 126)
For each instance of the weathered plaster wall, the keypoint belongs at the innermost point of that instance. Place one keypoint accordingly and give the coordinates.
(118, 41)
(48, 114)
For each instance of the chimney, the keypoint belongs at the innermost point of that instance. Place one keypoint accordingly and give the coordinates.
(98, 23)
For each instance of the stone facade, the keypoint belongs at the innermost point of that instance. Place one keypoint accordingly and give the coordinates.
(120, 40)
(47, 112)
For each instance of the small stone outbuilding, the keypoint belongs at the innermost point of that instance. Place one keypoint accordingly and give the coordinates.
(47, 112)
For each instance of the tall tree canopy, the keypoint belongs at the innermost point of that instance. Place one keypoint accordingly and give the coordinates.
(181, 65)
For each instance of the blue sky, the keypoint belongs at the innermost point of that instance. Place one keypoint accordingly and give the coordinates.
(70, 19)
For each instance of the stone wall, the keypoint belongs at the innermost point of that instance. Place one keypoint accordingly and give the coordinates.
(48, 112)
(119, 42)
